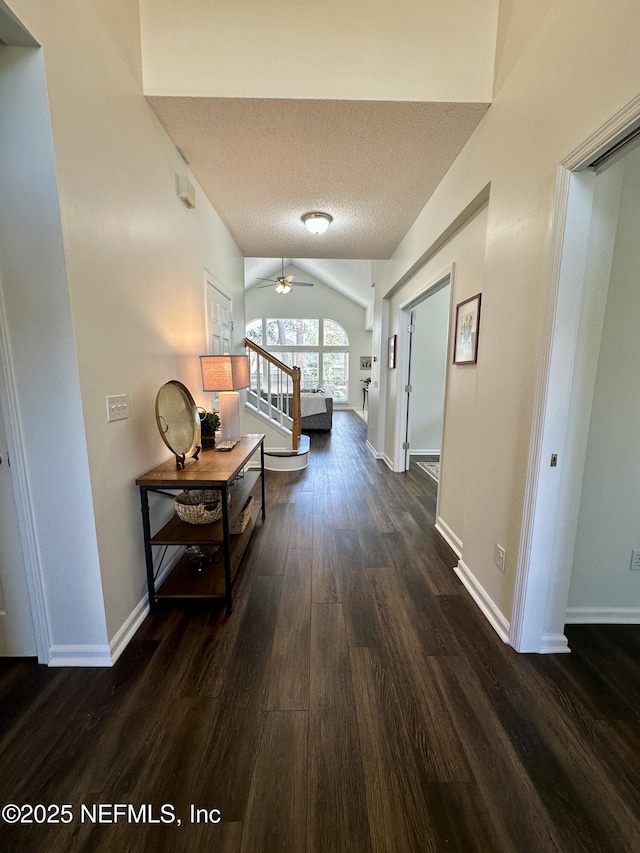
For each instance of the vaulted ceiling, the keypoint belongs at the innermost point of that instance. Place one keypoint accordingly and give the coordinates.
(281, 108)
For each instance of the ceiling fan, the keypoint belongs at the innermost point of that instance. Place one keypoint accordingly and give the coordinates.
(284, 283)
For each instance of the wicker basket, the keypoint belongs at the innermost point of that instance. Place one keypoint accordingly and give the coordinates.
(202, 507)
(243, 519)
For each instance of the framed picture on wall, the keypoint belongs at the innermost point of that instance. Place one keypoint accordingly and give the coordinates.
(465, 348)
(392, 351)
(365, 362)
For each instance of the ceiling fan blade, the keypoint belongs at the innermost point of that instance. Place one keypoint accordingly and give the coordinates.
(301, 284)
(272, 280)
(288, 279)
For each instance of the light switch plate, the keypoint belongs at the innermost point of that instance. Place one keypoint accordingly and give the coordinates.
(117, 407)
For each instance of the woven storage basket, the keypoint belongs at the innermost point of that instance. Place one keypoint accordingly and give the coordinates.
(203, 507)
(243, 519)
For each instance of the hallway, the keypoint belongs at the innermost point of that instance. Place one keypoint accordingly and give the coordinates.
(356, 700)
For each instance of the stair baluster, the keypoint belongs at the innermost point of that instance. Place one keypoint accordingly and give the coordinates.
(281, 401)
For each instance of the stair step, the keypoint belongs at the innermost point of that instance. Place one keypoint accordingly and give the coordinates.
(303, 447)
(288, 460)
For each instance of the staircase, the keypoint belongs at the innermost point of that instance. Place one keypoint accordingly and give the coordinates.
(274, 398)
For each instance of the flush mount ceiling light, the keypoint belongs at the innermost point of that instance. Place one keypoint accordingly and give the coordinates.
(316, 222)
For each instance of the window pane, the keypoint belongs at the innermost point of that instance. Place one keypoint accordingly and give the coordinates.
(334, 334)
(253, 331)
(335, 373)
(308, 364)
(285, 357)
(296, 333)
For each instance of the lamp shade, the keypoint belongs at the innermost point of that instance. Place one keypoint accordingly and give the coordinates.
(224, 372)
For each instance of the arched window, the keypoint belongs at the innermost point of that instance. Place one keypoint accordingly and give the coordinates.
(320, 348)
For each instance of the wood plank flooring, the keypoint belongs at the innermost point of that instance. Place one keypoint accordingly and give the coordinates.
(356, 700)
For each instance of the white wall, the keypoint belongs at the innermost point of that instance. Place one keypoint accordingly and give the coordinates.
(316, 302)
(555, 85)
(44, 363)
(609, 520)
(428, 367)
(230, 49)
(135, 263)
(467, 250)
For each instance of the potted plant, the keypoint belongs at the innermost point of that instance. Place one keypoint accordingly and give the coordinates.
(209, 425)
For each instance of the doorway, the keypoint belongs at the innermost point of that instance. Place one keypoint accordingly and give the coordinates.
(581, 257)
(605, 584)
(423, 369)
(428, 341)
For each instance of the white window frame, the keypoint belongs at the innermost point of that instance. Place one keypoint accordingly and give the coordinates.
(320, 349)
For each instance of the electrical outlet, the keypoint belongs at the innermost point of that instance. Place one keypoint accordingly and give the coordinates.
(117, 407)
(635, 560)
(500, 557)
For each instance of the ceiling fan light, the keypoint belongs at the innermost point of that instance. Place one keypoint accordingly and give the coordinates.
(286, 287)
(279, 287)
(317, 223)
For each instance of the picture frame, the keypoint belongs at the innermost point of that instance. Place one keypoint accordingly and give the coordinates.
(392, 351)
(365, 362)
(467, 330)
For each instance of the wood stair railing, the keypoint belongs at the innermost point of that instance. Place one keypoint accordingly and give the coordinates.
(277, 396)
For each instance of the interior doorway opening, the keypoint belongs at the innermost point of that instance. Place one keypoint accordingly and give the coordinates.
(423, 344)
(581, 257)
(428, 341)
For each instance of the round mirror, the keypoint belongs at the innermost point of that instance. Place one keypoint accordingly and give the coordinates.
(177, 418)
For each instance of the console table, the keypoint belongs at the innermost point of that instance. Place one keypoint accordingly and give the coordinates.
(212, 470)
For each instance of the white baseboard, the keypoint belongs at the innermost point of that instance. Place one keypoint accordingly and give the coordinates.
(553, 644)
(486, 604)
(603, 616)
(424, 452)
(372, 450)
(80, 656)
(124, 636)
(388, 462)
(449, 537)
(107, 655)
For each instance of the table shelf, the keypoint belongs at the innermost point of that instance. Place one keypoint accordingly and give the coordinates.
(186, 582)
(178, 532)
(214, 469)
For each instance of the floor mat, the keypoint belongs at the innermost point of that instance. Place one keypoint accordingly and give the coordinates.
(430, 468)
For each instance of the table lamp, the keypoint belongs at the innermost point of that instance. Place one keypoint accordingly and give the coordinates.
(225, 374)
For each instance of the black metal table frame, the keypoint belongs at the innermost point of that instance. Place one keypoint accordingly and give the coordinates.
(226, 547)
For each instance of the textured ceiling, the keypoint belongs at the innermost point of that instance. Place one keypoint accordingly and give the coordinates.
(263, 163)
(364, 128)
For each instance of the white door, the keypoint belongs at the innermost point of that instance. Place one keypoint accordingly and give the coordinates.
(219, 328)
(16, 622)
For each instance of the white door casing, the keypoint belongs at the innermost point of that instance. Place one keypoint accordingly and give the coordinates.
(401, 457)
(549, 521)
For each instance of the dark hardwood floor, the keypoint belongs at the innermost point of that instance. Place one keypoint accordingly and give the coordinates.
(356, 700)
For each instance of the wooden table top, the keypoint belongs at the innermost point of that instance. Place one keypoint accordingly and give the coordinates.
(212, 469)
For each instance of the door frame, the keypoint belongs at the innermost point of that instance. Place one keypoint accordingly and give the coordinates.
(400, 456)
(549, 521)
(24, 508)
